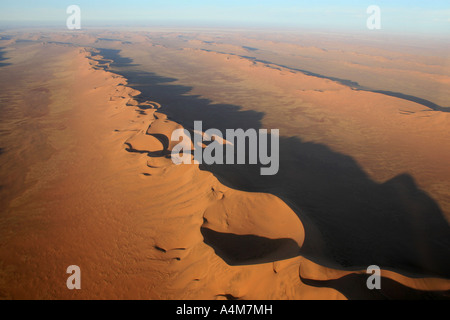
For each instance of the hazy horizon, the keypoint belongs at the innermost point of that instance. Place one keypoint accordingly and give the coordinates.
(396, 16)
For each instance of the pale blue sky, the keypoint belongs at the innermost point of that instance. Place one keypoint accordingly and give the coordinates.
(431, 16)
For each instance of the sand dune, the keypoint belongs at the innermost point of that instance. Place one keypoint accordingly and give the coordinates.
(98, 189)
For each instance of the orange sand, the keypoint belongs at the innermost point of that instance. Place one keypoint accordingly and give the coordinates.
(88, 185)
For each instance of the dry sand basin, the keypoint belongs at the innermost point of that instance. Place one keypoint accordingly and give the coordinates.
(109, 198)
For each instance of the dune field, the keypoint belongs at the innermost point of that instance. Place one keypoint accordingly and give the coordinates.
(87, 179)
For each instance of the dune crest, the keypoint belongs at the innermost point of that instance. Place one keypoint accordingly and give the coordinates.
(256, 229)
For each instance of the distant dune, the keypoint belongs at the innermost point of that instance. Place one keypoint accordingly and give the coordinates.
(87, 178)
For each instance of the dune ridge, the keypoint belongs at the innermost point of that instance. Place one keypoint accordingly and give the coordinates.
(243, 237)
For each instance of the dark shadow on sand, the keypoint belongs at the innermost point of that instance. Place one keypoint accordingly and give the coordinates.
(350, 220)
(354, 287)
(2, 58)
(249, 249)
(424, 102)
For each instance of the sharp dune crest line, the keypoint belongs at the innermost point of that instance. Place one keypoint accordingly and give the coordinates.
(251, 230)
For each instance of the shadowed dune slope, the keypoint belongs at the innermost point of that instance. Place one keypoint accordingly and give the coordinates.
(394, 224)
